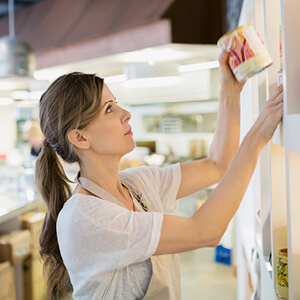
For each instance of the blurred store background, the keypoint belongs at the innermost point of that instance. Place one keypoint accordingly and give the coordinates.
(159, 58)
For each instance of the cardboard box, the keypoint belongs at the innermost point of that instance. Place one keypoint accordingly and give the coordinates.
(7, 284)
(33, 221)
(35, 285)
(15, 246)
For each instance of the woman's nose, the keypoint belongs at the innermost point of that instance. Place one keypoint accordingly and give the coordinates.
(126, 115)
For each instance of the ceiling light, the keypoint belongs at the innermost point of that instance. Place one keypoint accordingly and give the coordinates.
(198, 66)
(153, 82)
(48, 74)
(16, 56)
(8, 84)
(6, 101)
(27, 103)
(152, 55)
(24, 95)
(115, 79)
(36, 94)
(145, 75)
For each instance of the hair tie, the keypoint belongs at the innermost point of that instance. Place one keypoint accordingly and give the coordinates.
(47, 145)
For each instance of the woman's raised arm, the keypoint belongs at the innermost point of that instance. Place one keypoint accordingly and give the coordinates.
(206, 227)
(199, 174)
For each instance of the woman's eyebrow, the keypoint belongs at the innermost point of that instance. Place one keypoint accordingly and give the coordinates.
(108, 102)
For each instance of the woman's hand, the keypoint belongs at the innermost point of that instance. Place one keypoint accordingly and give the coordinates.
(227, 78)
(270, 116)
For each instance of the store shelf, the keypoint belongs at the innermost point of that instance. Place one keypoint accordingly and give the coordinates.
(247, 234)
(262, 89)
(294, 224)
(267, 290)
(279, 166)
(291, 58)
(273, 23)
(258, 241)
(292, 132)
(11, 207)
(264, 196)
(278, 200)
(278, 138)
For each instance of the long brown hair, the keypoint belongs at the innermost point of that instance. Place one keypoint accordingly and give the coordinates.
(71, 102)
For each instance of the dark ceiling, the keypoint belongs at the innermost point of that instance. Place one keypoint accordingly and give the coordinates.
(18, 5)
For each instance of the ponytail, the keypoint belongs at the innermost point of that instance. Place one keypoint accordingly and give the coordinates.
(53, 185)
(71, 101)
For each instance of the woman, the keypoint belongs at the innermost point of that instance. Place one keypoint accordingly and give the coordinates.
(110, 235)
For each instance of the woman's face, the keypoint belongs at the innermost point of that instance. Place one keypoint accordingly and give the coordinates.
(110, 133)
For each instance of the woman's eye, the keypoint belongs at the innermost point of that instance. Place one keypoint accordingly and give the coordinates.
(108, 110)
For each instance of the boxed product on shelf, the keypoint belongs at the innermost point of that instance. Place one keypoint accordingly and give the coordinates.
(223, 255)
(35, 285)
(7, 283)
(33, 221)
(15, 246)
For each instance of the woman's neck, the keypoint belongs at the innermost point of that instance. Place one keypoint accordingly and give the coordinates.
(104, 172)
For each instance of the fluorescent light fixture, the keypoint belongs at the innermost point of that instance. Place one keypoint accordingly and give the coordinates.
(152, 55)
(48, 74)
(24, 95)
(7, 85)
(152, 82)
(198, 66)
(14, 83)
(143, 75)
(6, 101)
(115, 79)
(26, 103)
(36, 94)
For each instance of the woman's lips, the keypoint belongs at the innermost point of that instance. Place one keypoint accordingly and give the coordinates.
(129, 132)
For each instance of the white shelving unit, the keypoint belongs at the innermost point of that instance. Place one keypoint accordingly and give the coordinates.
(269, 214)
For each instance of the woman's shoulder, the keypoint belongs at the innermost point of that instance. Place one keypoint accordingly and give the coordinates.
(138, 170)
(84, 204)
(149, 173)
(83, 201)
(88, 208)
(139, 177)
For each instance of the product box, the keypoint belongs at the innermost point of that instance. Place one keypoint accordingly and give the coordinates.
(33, 221)
(15, 246)
(223, 255)
(7, 284)
(35, 286)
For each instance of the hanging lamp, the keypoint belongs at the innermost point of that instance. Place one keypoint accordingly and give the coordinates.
(16, 57)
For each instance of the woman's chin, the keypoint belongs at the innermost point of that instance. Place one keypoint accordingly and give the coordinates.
(132, 147)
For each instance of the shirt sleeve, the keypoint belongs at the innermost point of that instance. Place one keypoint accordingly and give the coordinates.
(159, 182)
(166, 180)
(169, 179)
(116, 237)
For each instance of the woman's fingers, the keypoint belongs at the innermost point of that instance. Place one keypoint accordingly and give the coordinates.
(227, 78)
(223, 56)
(276, 98)
(225, 71)
(278, 92)
(270, 115)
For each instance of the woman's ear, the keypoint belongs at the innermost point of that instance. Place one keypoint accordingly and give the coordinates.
(76, 138)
